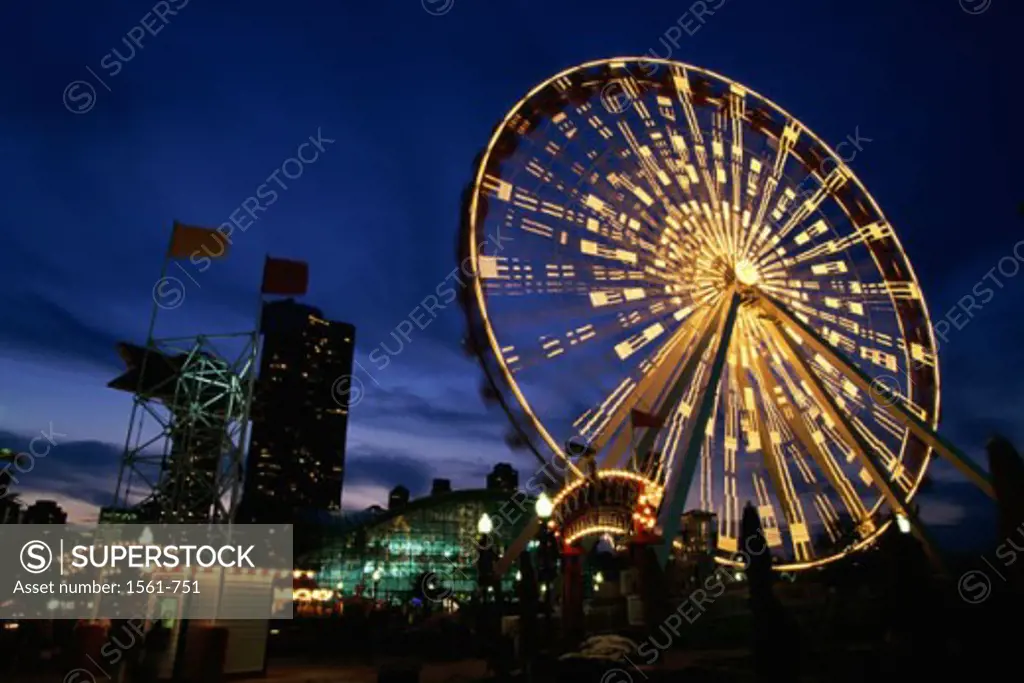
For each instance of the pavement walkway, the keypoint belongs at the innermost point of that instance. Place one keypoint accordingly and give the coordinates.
(434, 672)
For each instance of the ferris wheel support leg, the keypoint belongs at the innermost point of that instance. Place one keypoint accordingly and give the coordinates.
(683, 377)
(651, 383)
(892, 403)
(677, 488)
(855, 441)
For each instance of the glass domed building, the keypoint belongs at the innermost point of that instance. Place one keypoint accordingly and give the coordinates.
(426, 546)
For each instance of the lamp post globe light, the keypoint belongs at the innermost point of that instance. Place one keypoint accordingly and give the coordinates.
(377, 576)
(486, 555)
(544, 507)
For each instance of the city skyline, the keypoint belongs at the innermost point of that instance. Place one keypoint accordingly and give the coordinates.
(376, 213)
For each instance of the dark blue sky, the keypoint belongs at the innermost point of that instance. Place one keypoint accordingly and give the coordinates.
(200, 116)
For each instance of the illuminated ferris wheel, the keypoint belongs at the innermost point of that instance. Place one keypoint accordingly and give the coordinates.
(676, 271)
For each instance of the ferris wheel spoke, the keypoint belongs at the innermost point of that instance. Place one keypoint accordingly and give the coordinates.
(600, 297)
(565, 268)
(766, 511)
(850, 435)
(683, 382)
(771, 433)
(758, 188)
(737, 119)
(561, 345)
(761, 231)
(893, 403)
(618, 433)
(688, 221)
(729, 521)
(813, 442)
(769, 442)
(862, 235)
(606, 421)
(684, 94)
(889, 460)
(589, 203)
(844, 332)
(679, 374)
(593, 222)
(802, 210)
(849, 401)
(598, 313)
(602, 419)
(649, 169)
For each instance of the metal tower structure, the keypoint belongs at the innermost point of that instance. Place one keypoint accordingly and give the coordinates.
(192, 397)
(186, 441)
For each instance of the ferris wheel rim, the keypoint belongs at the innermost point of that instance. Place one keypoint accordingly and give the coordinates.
(480, 303)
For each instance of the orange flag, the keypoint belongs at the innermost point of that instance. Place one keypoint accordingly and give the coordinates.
(189, 240)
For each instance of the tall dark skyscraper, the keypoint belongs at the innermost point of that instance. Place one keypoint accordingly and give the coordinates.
(297, 453)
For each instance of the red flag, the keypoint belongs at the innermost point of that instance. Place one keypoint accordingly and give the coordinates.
(189, 240)
(281, 276)
(642, 419)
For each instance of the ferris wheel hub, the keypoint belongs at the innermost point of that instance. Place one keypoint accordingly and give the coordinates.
(746, 273)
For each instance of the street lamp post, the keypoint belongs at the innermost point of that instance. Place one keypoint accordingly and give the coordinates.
(377, 576)
(485, 558)
(485, 582)
(544, 509)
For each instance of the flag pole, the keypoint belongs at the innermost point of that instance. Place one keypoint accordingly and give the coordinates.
(243, 435)
(163, 274)
(145, 354)
(253, 370)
